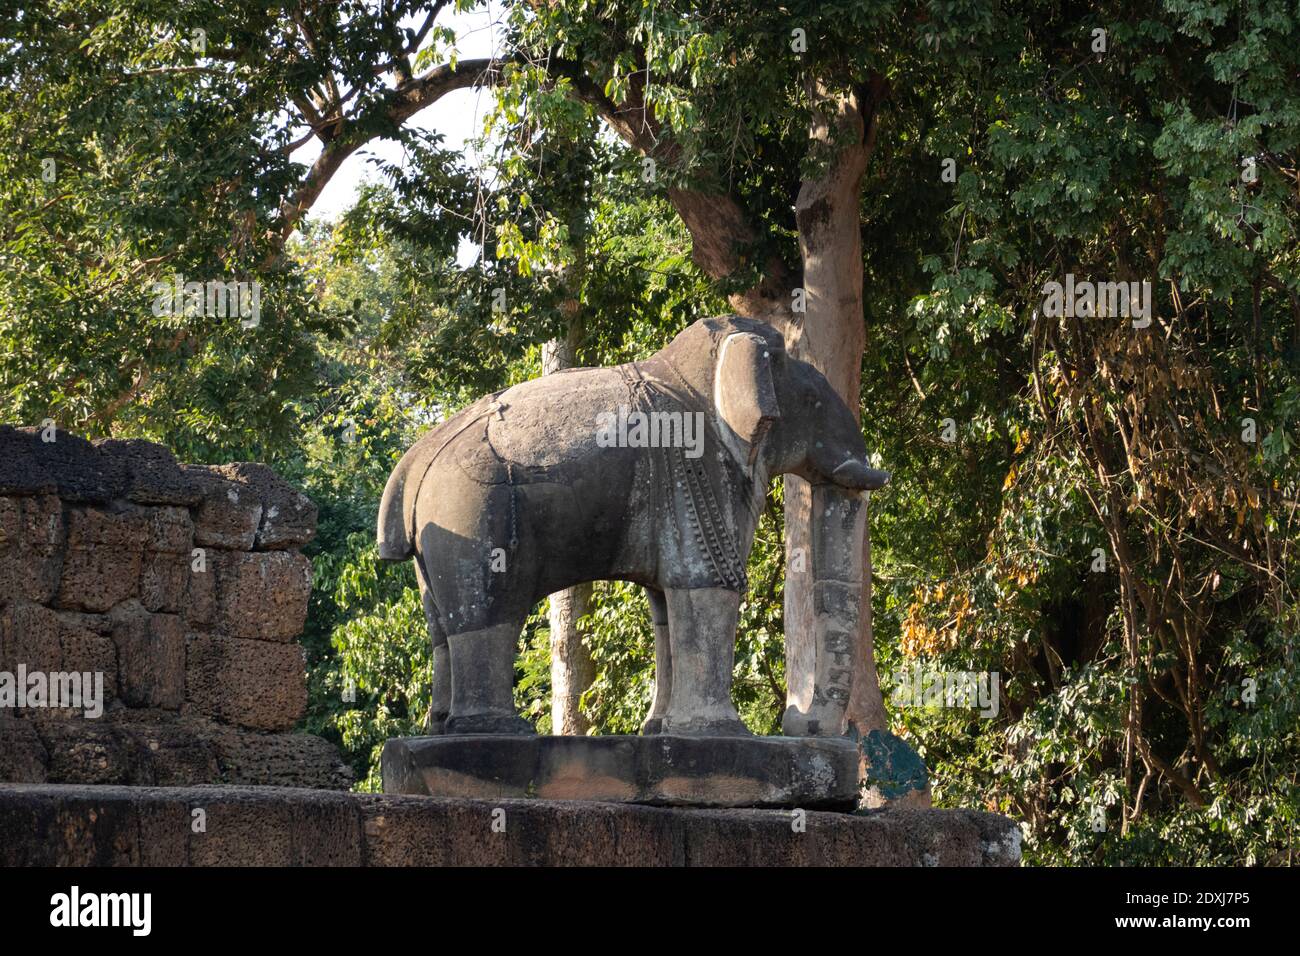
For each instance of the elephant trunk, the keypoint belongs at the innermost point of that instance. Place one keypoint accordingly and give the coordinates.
(820, 651)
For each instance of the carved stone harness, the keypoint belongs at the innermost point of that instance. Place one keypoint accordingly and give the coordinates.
(708, 523)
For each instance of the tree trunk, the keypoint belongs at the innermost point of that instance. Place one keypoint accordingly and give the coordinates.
(831, 336)
(572, 669)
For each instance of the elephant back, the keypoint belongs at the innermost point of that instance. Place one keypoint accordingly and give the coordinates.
(548, 425)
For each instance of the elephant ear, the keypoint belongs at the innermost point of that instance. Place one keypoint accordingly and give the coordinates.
(743, 390)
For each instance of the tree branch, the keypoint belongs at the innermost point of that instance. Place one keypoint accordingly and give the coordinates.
(407, 100)
(720, 228)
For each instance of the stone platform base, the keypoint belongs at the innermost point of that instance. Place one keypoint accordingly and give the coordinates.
(50, 825)
(659, 770)
(160, 748)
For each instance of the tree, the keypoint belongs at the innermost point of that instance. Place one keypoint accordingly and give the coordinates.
(345, 78)
(736, 107)
(153, 148)
(1129, 585)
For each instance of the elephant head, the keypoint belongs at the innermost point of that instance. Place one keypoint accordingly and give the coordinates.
(777, 410)
(776, 414)
(781, 412)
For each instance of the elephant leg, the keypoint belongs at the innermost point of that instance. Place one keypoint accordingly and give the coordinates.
(663, 662)
(702, 636)
(440, 704)
(482, 681)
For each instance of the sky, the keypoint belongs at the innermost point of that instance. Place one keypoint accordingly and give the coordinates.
(458, 116)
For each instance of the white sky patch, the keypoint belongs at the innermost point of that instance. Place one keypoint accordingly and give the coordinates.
(458, 116)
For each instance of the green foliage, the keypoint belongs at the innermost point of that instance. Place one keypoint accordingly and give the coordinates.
(622, 643)
(383, 660)
(147, 141)
(1123, 737)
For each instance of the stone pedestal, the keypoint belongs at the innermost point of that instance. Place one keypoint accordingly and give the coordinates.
(658, 770)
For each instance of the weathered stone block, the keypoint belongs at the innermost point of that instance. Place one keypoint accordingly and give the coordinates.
(50, 825)
(89, 652)
(81, 620)
(289, 760)
(164, 825)
(22, 470)
(149, 747)
(22, 755)
(69, 466)
(260, 827)
(150, 657)
(45, 825)
(200, 604)
(163, 580)
(154, 747)
(167, 530)
(11, 522)
(255, 684)
(166, 750)
(288, 516)
(96, 527)
(43, 523)
(102, 565)
(432, 831)
(657, 770)
(435, 831)
(165, 567)
(31, 548)
(262, 595)
(152, 475)
(40, 638)
(29, 634)
(750, 838)
(88, 752)
(228, 514)
(98, 578)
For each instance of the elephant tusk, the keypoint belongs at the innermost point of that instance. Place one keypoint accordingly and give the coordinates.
(857, 475)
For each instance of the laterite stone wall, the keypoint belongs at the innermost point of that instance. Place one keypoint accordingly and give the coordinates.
(184, 586)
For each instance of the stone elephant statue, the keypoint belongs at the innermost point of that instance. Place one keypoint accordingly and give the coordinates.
(652, 472)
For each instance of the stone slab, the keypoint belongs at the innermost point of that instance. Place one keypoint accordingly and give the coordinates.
(150, 747)
(658, 770)
(262, 595)
(261, 685)
(49, 825)
(22, 755)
